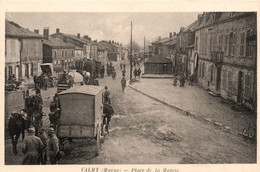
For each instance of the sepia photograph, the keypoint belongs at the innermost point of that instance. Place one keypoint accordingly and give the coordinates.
(129, 87)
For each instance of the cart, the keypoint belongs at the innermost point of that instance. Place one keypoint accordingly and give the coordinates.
(48, 70)
(81, 113)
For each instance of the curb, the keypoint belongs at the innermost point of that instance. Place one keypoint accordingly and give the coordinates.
(209, 121)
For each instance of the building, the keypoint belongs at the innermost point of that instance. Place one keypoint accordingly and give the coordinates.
(93, 47)
(185, 38)
(76, 40)
(23, 52)
(158, 65)
(114, 50)
(225, 43)
(102, 54)
(58, 52)
(125, 53)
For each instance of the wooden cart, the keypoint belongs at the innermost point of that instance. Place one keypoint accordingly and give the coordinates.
(81, 113)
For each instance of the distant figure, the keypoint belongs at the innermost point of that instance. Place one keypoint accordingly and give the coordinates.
(32, 146)
(135, 72)
(124, 65)
(191, 79)
(108, 112)
(139, 72)
(123, 84)
(121, 66)
(106, 95)
(175, 80)
(182, 80)
(123, 72)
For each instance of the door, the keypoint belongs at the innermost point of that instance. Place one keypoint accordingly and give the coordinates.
(218, 78)
(240, 87)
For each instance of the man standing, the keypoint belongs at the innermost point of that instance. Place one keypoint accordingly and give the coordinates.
(31, 148)
(106, 95)
(43, 153)
(123, 72)
(139, 72)
(123, 84)
(53, 146)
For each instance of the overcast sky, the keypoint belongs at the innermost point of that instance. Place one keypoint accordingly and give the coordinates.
(107, 26)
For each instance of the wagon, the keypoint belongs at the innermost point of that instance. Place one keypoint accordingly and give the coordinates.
(51, 72)
(81, 113)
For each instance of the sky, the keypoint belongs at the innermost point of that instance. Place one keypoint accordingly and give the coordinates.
(107, 25)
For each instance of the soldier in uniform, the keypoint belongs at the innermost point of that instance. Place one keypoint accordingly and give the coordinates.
(31, 148)
(53, 147)
(123, 84)
(37, 122)
(43, 153)
(106, 95)
(108, 113)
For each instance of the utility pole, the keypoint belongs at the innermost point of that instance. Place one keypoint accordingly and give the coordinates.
(131, 55)
(144, 47)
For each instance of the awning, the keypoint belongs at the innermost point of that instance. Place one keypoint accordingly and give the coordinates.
(58, 68)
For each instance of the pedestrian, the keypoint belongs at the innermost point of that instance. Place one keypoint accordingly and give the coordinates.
(191, 79)
(53, 146)
(139, 72)
(123, 84)
(123, 72)
(124, 65)
(108, 112)
(175, 80)
(135, 72)
(182, 80)
(37, 122)
(43, 153)
(31, 148)
(121, 66)
(106, 95)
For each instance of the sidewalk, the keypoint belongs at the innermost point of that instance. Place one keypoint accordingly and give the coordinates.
(196, 102)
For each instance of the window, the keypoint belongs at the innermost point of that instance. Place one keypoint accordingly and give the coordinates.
(231, 37)
(224, 79)
(27, 70)
(72, 52)
(66, 53)
(211, 73)
(62, 55)
(31, 69)
(229, 79)
(55, 54)
(249, 44)
(10, 71)
(242, 44)
(220, 42)
(227, 44)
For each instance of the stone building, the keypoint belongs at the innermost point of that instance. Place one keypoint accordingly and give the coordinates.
(225, 43)
(58, 52)
(114, 50)
(76, 40)
(23, 52)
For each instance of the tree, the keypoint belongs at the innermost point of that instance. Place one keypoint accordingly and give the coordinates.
(135, 47)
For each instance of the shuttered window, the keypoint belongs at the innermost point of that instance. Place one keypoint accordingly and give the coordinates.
(242, 44)
(247, 86)
(224, 79)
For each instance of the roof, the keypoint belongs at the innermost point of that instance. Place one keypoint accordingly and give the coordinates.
(56, 42)
(157, 59)
(192, 26)
(209, 18)
(12, 29)
(84, 89)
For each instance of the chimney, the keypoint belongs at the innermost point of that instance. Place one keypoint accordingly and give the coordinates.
(109, 41)
(78, 35)
(174, 33)
(57, 30)
(95, 40)
(85, 36)
(46, 33)
(36, 31)
(159, 38)
(170, 35)
(89, 38)
(112, 42)
(65, 39)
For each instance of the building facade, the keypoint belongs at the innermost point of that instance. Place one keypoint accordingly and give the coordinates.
(58, 52)
(23, 52)
(226, 48)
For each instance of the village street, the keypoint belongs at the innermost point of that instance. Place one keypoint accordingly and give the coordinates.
(144, 131)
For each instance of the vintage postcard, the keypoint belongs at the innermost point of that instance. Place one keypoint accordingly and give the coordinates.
(129, 86)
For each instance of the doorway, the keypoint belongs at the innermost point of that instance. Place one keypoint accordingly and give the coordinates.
(218, 79)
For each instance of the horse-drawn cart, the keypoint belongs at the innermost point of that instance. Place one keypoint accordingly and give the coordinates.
(81, 113)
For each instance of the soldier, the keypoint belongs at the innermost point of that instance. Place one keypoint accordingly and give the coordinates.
(108, 112)
(31, 148)
(124, 65)
(102, 71)
(106, 95)
(37, 122)
(53, 147)
(43, 153)
(123, 73)
(139, 72)
(123, 84)
(16, 126)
